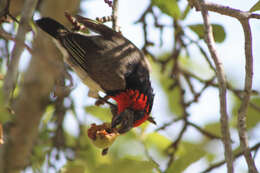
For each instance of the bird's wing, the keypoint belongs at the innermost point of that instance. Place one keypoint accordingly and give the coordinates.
(105, 61)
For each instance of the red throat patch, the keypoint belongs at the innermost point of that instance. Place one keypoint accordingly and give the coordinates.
(132, 99)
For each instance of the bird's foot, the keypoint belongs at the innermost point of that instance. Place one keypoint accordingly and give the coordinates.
(76, 25)
(124, 120)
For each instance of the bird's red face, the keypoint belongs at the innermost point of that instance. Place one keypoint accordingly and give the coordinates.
(132, 109)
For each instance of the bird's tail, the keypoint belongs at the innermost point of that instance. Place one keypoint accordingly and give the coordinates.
(50, 26)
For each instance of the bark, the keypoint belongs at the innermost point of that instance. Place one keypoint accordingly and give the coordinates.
(45, 67)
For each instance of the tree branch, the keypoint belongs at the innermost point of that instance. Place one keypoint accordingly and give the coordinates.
(243, 17)
(115, 15)
(246, 97)
(175, 146)
(8, 36)
(33, 96)
(225, 10)
(30, 106)
(12, 72)
(204, 132)
(222, 83)
(218, 164)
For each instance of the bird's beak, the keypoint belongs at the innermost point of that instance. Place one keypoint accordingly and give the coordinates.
(125, 120)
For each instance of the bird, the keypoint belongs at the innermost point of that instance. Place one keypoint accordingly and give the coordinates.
(110, 63)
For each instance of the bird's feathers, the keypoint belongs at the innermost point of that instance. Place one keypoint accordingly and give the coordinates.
(110, 63)
(108, 59)
(51, 26)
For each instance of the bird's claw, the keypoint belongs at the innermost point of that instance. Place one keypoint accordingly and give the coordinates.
(125, 120)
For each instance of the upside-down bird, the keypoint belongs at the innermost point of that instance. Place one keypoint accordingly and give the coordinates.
(110, 63)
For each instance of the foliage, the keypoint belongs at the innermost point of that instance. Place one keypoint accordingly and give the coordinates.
(176, 143)
(218, 31)
(253, 117)
(169, 7)
(256, 7)
(187, 154)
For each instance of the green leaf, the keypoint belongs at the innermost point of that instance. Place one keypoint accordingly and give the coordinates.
(169, 7)
(187, 154)
(157, 140)
(38, 156)
(127, 166)
(256, 7)
(237, 150)
(173, 96)
(48, 114)
(77, 166)
(73, 169)
(252, 118)
(185, 12)
(102, 113)
(218, 31)
(213, 128)
(210, 157)
(70, 140)
(4, 115)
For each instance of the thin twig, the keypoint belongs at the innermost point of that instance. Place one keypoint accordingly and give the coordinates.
(237, 92)
(243, 17)
(144, 26)
(218, 164)
(204, 132)
(222, 89)
(175, 145)
(164, 126)
(12, 72)
(109, 3)
(246, 97)
(115, 15)
(157, 167)
(228, 11)
(8, 36)
(203, 52)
